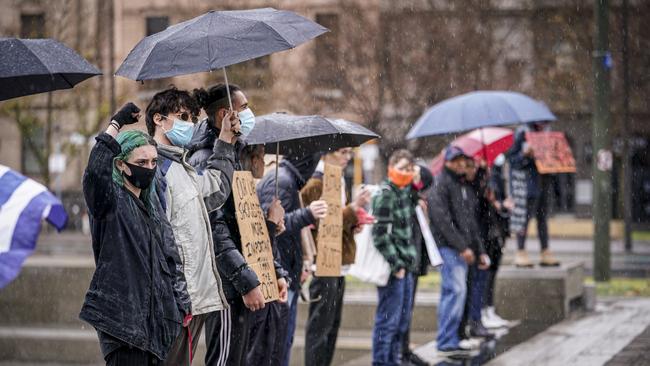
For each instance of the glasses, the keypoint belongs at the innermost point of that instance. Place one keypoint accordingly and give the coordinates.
(184, 117)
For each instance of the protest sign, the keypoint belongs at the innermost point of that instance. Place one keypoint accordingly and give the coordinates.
(330, 228)
(256, 245)
(552, 152)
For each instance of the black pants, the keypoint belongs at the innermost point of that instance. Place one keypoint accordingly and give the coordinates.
(268, 334)
(227, 335)
(324, 319)
(131, 356)
(535, 207)
(494, 249)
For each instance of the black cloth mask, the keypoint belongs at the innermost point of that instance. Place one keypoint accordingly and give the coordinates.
(140, 177)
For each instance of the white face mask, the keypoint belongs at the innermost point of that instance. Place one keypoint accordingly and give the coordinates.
(247, 121)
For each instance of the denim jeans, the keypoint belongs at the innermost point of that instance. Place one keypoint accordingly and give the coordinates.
(392, 320)
(452, 298)
(293, 314)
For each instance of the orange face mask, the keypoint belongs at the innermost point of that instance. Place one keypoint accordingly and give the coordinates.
(399, 179)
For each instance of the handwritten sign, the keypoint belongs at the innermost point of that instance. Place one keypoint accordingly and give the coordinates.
(552, 152)
(330, 229)
(256, 245)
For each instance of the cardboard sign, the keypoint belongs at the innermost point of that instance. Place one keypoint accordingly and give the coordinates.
(256, 246)
(330, 229)
(552, 152)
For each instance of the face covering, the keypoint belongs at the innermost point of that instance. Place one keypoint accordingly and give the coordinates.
(399, 179)
(247, 121)
(140, 177)
(181, 132)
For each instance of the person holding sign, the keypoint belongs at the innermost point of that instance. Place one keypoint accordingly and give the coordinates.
(394, 210)
(529, 190)
(242, 286)
(325, 314)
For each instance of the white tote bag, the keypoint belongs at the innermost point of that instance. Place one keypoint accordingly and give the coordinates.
(369, 265)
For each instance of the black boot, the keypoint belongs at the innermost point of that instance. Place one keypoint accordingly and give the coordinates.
(411, 359)
(476, 329)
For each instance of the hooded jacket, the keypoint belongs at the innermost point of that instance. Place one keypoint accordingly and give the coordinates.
(137, 293)
(293, 173)
(188, 198)
(237, 276)
(452, 211)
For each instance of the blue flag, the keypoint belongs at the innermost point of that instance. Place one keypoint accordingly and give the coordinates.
(24, 203)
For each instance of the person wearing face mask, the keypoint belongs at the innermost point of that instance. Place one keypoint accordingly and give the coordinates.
(325, 314)
(188, 198)
(293, 173)
(137, 296)
(240, 283)
(393, 209)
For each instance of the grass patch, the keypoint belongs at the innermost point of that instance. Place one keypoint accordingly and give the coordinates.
(430, 282)
(623, 287)
(641, 235)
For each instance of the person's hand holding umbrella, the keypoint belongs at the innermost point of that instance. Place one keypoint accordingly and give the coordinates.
(229, 127)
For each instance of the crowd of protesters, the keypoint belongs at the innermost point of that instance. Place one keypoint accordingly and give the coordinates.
(169, 255)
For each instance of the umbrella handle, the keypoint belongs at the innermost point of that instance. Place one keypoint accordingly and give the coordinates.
(225, 77)
(277, 157)
(483, 145)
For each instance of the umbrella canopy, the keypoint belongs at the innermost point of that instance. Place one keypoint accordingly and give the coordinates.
(32, 66)
(479, 109)
(215, 40)
(307, 133)
(487, 143)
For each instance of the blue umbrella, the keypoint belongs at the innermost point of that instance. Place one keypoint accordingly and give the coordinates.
(32, 66)
(479, 109)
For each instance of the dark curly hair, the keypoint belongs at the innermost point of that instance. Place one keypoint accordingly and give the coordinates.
(398, 155)
(213, 99)
(170, 100)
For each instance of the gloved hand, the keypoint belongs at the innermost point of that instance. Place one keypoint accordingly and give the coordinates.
(127, 115)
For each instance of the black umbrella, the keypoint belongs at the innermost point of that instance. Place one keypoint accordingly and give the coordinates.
(291, 133)
(32, 66)
(215, 40)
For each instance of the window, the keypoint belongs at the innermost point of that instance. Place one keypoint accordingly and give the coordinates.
(156, 24)
(326, 48)
(32, 25)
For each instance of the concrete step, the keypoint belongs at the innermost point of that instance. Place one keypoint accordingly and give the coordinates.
(21, 345)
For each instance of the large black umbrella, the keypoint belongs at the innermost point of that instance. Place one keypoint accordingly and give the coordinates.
(291, 133)
(215, 40)
(32, 66)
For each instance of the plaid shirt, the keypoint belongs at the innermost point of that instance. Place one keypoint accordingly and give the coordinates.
(394, 209)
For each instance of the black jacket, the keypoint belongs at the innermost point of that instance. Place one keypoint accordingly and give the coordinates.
(237, 276)
(290, 181)
(137, 293)
(452, 211)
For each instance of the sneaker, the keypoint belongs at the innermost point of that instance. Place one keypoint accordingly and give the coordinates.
(491, 320)
(548, 259)
(522, 260)
(412, 359)
(470, 343)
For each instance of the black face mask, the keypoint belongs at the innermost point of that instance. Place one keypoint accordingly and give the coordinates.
(140, 177)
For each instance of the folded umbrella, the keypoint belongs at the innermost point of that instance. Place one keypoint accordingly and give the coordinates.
(479, 109)
(32, 66)
(291, 134)
(486, 143)
(24, 203)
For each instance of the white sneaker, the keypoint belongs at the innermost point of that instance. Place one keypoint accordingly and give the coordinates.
(491, 320)
(469, 344)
